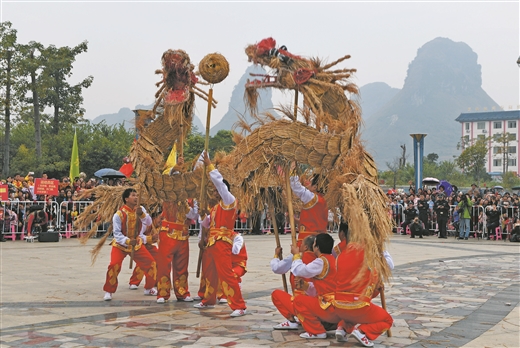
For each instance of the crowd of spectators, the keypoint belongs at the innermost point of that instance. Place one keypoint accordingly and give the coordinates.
(488, 209)
(70, 200)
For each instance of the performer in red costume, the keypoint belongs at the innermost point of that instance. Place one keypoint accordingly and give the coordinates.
(311, 311)
(152, 236)
(238, 262)
(174, 251)
(124, 225)
(314, 214)
(217, 241)
(343, 328)
(281, 299)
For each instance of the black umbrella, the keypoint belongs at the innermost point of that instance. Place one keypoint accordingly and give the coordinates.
(109, 173)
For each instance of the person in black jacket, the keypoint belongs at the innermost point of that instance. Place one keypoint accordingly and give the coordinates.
(424, 207)
(409, 214)
(493, 219)
(442, 209)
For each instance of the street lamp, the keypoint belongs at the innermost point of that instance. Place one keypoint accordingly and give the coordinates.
(518, 61)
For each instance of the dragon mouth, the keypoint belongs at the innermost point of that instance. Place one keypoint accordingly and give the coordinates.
(266, 81)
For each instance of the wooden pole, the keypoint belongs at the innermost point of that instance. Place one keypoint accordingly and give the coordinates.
(277, 238)
(383, 304)
(136, 231)
(289, 204)
(203, 204)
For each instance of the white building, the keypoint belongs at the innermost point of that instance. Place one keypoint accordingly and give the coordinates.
(487, 124)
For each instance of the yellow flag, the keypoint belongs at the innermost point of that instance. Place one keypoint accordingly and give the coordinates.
(74, 159)
(171, 161)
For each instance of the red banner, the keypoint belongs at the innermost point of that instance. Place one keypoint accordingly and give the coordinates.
(4, 192)
(46, 186)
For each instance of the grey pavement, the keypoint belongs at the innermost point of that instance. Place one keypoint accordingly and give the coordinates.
(443, 293)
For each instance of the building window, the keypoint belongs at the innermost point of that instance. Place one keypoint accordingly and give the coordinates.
(481, 136)
(511, 149)
(481, 125)
(467, 127)
(497, 150)
(497, 124)
(497, 162)
(511, 124)
(511, 162)
(512, 136)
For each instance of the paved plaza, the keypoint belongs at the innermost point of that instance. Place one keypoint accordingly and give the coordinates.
(444, 293)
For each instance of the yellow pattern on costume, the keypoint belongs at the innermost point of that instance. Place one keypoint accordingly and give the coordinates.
(152, 272)
(139, 274)
(113, 274)
(227, 290)
(163, 285)
(181, 284)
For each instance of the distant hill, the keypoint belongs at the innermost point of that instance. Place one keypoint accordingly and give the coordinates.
(442, 81)
(374, 96)
(126, 116)
(237, 106)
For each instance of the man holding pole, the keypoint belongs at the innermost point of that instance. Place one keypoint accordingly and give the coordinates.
(217, 241)
(130, 218)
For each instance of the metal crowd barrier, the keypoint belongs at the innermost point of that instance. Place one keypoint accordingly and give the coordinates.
(59, 221)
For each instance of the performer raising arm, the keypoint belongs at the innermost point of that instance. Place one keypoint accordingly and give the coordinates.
(218, 244)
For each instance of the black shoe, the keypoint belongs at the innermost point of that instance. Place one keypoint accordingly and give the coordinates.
(420, 236)
(466, 238)
(3, 240)
(412, 237)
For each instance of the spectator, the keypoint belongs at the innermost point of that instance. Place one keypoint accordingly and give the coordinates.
(37, 222)
(410, 213)
(493, 219)
(464, 210)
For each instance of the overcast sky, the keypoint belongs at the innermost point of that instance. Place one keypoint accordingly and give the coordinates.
(126, 40)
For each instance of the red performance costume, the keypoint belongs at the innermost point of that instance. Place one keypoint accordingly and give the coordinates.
(124, 224)
(353, 295)
(217, 262)
(174, 252)
(311, 311)
(238, 262)
(282, 300)
(314, 214)
(138, 273)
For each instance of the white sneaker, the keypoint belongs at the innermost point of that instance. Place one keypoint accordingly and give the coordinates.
(133, 287)
(108, 296)
(311, 336)
(197, 298)
(238, 313)
(286, 325)
(151, 292)
(223, 301)
(341, 335)
(362, 338)
(161, 300)
(186, 299)
(201, 305)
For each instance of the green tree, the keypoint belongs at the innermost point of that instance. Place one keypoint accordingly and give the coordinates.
(222, 141)
(8, 80)
(510, 180)
(31, 65)
(194, 145)
(64, 98)
(473, 159)
(432, 158)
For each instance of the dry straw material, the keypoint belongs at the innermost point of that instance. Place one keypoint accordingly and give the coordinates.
(214, 68)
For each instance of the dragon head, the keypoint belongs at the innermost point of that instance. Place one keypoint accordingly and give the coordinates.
(178, 76)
